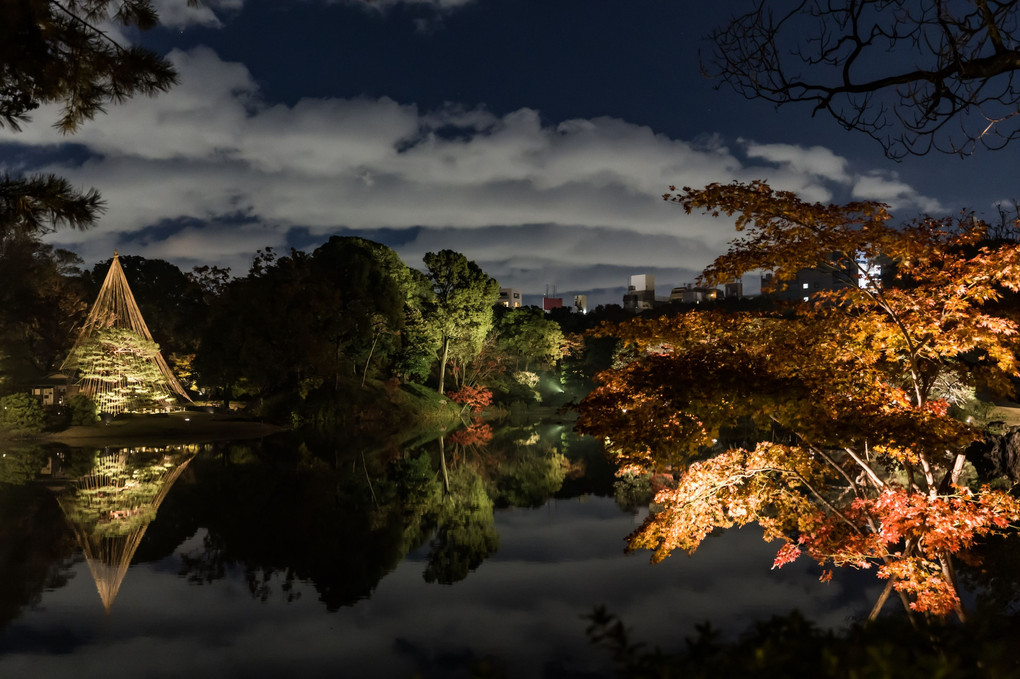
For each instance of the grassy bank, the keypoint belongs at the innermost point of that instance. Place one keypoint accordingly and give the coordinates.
(379, 409)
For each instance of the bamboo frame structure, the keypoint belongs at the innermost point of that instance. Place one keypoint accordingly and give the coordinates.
(115, 307)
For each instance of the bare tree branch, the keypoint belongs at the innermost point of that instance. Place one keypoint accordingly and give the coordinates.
(916, 77)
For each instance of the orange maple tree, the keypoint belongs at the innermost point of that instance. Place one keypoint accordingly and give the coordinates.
(826, 422)
(475, 398)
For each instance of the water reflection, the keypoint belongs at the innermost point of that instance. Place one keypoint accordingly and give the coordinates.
(281, 554)
(342, 519)
(110, 505)
(37, 551)
(107, 498)
(461, 520)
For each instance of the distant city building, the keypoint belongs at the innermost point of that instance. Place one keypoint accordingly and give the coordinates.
(864, 273)
(510, 297)
(581, 303)
(811, 281)
(643, 282)
(552, 303)
(804, 286)
(640, 293)
(869, 272)
(693, 294)
(734, 290)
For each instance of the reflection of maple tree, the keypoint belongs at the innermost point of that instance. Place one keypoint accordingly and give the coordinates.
(856, 460)
(477, 433)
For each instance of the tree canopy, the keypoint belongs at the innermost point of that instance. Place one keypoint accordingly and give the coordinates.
(42, 299)
(528, 334)
(171, 303)
(830, 423)
(914, 76)
(299, 322)
(121, 372)
(462, 311)
(58, 52)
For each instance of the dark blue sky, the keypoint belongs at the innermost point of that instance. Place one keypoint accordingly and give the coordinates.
(535, 137)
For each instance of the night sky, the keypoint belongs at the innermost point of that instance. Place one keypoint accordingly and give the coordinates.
(535, 137)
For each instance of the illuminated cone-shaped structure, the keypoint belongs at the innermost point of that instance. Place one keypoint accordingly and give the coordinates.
(115, 361)
(110, 508)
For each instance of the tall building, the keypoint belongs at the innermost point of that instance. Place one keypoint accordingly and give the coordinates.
(581, 304)
(640, 293)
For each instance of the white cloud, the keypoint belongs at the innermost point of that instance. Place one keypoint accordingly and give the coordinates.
(437, 5)
(208, 13)
(177, 14)
(211, 149)
(815, 160)
(886, 187)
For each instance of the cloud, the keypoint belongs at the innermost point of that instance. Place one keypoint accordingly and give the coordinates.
(554, 565)
(223, 173)
(435, 5)
(208, 13)
(886, 187)
(177, 14)
(815, 160)
(793, 163)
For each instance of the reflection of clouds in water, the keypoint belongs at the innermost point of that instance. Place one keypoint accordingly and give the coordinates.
(523, 606)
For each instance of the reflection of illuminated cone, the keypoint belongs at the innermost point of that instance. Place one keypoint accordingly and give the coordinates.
(111, 507)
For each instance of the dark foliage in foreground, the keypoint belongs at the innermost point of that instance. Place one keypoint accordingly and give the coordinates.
(792, 646)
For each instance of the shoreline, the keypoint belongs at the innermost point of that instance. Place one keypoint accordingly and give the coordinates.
(178, 427)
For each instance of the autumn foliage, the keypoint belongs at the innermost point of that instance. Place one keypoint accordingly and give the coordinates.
(475, 398)
(828, 423)
(476, 433)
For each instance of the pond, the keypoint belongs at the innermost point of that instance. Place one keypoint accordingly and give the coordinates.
(283, 557)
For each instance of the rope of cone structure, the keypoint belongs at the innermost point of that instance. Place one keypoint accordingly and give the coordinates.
(115, 307)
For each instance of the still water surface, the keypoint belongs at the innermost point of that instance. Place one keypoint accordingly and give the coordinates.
(287, 558)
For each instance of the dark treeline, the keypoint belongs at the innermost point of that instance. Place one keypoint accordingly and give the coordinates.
(348, 319)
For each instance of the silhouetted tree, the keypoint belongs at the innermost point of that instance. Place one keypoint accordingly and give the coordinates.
(914, 76)
(42, 298)
(55, 52)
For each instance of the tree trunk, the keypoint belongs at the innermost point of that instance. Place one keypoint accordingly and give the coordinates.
(368, 478)
(442, 364)
(368, 361)
(877, 608)
(336, 365)
(442, 462)
(949, 573)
